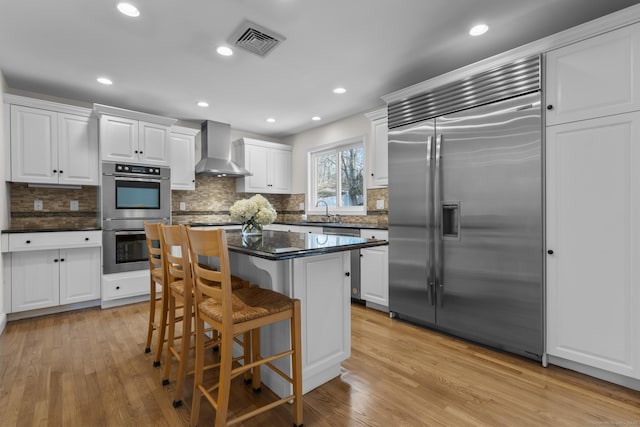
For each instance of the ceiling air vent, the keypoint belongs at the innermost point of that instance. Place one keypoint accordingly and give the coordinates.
(256, 39)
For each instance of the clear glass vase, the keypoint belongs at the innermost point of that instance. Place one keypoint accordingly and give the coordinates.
(251, 229)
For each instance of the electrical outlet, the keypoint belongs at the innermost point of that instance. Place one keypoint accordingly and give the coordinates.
(380, 204)
(301, 206)
(37, 205)
(74, 205)
(183, 206)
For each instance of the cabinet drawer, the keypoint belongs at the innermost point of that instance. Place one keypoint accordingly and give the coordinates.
(124, 285)
(368, 233)
(19, 242)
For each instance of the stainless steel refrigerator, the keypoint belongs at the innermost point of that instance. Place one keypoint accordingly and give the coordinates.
(465, 224)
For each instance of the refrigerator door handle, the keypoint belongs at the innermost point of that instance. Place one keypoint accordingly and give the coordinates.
(437, 237)
(431, 286)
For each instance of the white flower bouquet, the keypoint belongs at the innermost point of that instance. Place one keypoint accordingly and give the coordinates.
(253, 213)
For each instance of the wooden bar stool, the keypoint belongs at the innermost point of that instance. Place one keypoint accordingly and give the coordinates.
(157, 275)
(235, 313)
(180, 296)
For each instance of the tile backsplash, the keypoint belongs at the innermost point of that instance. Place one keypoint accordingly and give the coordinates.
(214, 197)
(56, 212)
(210, 203)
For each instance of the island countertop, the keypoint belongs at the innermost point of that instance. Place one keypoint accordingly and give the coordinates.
(278, 245)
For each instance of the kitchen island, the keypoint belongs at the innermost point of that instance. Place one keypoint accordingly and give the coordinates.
(315, 269)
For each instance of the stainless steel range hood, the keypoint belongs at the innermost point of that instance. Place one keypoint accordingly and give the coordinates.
(216, 151)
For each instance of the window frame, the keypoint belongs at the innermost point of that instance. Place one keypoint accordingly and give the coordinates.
(336, 147)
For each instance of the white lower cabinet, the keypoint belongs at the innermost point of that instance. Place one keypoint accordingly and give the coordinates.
(48, 278)
(593, 243)
(124, 285)
(79, 275)
(374, 271)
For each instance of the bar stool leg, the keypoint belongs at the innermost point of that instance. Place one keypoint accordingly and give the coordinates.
(226, 360)
(162, 329)
(296, 365)
(198, 373)
(256, 380)
(185, 344)
(152, 315)
(170, 338)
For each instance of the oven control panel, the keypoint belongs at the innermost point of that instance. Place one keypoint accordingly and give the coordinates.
(138, 169)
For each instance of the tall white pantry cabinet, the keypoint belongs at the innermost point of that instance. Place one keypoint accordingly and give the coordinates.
(593, 202)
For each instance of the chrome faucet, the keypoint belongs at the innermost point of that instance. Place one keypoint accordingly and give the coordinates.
(326, 207)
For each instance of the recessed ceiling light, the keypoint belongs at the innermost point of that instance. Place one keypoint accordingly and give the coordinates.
(224, 51)
(271, 120)
(128, 9)
(478, 30)
(104, 81)
(316, 118)
(339, 90)
(203, 104)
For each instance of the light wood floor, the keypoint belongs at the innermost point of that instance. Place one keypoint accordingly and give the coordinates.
(88, 368)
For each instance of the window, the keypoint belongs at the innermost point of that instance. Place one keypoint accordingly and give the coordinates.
(337, 178)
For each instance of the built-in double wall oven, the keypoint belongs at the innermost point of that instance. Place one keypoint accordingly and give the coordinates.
(131, 194)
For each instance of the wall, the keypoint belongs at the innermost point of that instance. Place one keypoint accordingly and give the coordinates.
(4, 215)
(350, 127)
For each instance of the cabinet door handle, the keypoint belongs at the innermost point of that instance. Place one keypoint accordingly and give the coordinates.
(55, 171)
(347, 274)
(117, 287)
(549, 107)
(28, 241)
(61, 259)
(135, 151)
(550, 251)
(86, 239)
(61, 171)
(140, 152)
(55, 260)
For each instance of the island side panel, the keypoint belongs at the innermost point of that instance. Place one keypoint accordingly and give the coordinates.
(323, 285)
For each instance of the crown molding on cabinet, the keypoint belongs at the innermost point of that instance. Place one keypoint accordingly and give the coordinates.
(592, 28)
(46, 105)
(135, 115)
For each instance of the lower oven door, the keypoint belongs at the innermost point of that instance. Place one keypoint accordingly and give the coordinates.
(124, 250)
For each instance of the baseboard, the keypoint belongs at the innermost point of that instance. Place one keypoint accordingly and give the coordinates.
(596, 372)
(124, 301)
(3, 322)
(51, 310)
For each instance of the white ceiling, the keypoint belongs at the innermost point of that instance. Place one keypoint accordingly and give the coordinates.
(164, 61)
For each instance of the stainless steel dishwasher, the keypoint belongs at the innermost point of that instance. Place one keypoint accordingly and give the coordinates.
(355, 258)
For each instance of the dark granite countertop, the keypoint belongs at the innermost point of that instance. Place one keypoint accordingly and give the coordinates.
(48, 230)
(278, 245)
(336, 224)
(305, 223)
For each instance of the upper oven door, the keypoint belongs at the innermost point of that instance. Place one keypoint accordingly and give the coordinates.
(135, 198)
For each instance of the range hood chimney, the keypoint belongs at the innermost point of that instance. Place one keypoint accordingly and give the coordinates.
(216, 151)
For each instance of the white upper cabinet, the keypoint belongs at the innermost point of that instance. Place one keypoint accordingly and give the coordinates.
(130, 136)
(153, 143)
(269, 163)
(49, 145)
(378, 147)
(118, 138)
(182, 148)
(129, 140)
(595, 77)
(77, 149)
